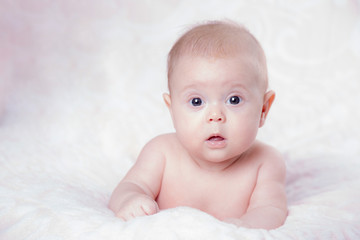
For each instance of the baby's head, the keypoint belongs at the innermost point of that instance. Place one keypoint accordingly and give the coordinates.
(219, 39)
(217, 81)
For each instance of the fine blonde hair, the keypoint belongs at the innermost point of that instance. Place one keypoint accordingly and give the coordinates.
(218, 39)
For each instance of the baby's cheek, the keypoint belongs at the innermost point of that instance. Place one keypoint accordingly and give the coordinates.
(188, 137)
(188, 124)
(243, 131)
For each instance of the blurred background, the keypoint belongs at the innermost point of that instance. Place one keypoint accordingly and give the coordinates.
(85, 78)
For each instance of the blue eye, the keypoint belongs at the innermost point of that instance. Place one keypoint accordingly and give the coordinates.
(234, 100)
(196, 102)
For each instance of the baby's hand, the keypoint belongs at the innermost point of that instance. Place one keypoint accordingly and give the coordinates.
(137, 205)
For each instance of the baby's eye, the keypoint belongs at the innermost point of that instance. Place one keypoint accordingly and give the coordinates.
(196, 102)
(234, 100)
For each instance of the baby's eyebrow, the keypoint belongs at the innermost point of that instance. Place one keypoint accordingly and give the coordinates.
(193, 87)
(236, 86)
(229, 83)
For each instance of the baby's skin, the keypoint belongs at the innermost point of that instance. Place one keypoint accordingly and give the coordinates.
(213, 161)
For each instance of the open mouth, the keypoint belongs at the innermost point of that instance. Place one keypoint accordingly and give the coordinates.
(216, 142)
(216, 138)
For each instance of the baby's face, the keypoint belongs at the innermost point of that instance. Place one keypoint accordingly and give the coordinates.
(216, 106)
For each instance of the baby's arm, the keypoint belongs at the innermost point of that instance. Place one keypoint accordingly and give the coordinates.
(135, 195)
(268, 207)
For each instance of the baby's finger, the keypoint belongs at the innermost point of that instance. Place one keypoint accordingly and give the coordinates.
(150, 208)
(135, 212)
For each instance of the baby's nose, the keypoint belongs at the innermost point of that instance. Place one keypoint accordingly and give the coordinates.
(216, 117)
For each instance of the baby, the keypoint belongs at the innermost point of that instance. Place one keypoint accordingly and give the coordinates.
(218, 99)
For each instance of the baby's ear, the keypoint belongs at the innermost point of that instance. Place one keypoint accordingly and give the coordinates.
(167, 99)
(268, 101)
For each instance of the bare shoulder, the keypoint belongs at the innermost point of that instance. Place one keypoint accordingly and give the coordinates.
(148, 170)
(269, 151)
(151, 161)
(165, 137)
(272, 164)
(160, 145)
(162, 141)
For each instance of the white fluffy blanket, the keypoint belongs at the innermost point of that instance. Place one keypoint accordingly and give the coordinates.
(80, 94)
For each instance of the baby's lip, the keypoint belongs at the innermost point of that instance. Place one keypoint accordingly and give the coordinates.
(216, 141)
(216, 138)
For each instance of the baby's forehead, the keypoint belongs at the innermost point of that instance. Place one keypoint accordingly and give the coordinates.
(217, 40)
(232, 70)
(245, 66)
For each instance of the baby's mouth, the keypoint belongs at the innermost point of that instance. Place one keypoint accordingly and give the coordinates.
(216, 142)
(216, 138)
